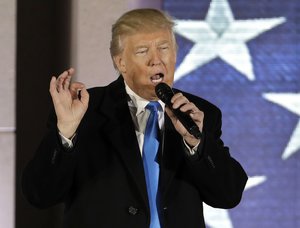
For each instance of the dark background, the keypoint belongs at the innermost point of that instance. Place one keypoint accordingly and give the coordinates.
(43, 49)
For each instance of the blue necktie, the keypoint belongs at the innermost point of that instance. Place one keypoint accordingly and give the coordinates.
(151, 167)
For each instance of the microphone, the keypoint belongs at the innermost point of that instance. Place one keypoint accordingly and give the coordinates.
(165, 93)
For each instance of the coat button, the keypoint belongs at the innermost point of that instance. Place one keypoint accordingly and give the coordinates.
(165, 211)
(132, 210)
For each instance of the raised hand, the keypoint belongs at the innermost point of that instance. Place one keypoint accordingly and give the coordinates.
(184, 105)
(69, 106)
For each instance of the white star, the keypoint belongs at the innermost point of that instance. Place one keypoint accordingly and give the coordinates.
(216, 218)
(220, 35)
(290, 101)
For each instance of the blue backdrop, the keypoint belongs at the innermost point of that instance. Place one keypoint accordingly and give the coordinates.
(244, 57)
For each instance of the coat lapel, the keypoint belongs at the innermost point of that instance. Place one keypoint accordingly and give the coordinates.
(120, 131)
(172, 156)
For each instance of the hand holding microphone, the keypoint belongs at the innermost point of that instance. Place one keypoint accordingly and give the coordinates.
(186, 117)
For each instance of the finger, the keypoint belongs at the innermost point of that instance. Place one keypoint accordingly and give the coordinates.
(198, 116)
(67, 78)
(76, 85)
(53, 90)
(52, 87)
(189, 107)
(179, 100)
(63, 80)
(176, 95)
(66, 83)
(74, 88)
(193, 111)
(170, 113)
(177, 124)
(60, 81)
(84, 96)
(71, 71)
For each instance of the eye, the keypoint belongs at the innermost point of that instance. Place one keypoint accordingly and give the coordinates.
(141, 51)
(164, 47)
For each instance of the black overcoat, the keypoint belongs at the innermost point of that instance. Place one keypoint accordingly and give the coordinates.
(101, 180)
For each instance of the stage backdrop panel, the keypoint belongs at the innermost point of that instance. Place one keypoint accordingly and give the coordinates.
(7, 112)
(244, 57)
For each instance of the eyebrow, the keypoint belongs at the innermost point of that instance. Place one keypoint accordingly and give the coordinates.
(140, 46)
(163, 42)
(158, 44)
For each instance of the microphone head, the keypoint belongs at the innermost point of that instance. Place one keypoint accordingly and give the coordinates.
(164, 92)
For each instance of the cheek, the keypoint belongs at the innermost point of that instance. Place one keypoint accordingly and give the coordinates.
(171, 63)
(140, 72)
(170, 58)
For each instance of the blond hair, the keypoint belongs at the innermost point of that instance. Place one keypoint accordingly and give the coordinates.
(138, 20)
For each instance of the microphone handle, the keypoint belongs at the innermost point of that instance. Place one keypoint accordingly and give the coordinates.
(165, 93)
(187, 122)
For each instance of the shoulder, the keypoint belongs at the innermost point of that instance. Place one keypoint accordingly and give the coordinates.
(201, 103)
(109, 93)
(96, 94)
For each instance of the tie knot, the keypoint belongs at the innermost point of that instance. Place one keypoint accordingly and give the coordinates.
(153, 106)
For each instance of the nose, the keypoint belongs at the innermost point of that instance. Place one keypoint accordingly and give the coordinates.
(155, 58)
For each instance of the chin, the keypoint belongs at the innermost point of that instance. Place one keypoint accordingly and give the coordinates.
(151, 96)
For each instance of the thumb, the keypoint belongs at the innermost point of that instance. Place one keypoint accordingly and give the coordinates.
(170, 113)
(75, 87)
(84, 96)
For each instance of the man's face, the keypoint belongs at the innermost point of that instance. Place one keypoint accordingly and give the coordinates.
(147, 59)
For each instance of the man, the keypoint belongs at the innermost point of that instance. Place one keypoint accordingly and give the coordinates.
(93, 157)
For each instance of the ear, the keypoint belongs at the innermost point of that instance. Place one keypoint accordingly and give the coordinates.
(119, 62)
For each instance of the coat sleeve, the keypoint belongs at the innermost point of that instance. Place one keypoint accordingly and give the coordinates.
(47, 178)
(219, 178)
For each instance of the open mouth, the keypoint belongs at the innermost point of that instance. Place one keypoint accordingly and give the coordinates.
(157, 78)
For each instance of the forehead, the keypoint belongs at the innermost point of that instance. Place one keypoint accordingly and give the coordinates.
(148, 38)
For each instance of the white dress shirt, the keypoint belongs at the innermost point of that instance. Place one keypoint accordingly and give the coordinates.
(139, 113)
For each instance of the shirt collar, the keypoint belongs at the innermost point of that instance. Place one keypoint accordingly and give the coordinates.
(139, 102)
